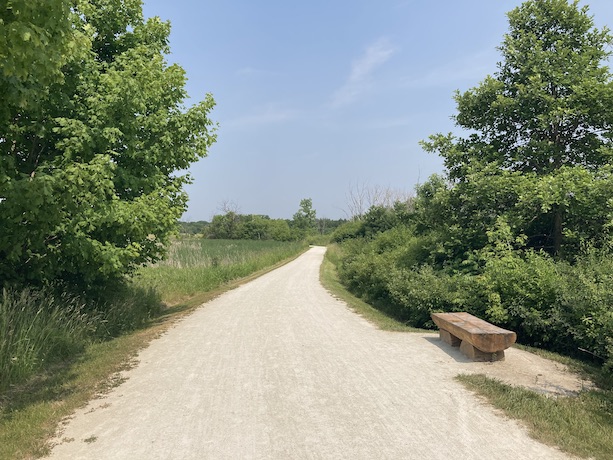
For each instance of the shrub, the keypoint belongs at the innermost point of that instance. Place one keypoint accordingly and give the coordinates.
(347, 231)
(523, 294)
(586, 301)
(365, 273)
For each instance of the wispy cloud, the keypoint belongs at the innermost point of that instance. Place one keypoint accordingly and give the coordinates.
(255, 72)
(469, 69)
(269, 114)
(360, 78)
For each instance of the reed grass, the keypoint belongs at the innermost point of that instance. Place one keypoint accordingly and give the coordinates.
(199, 265)
(36, 329)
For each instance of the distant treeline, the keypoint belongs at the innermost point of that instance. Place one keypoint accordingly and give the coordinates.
(235, 226)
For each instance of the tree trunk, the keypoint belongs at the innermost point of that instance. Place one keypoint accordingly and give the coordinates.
(557, 230)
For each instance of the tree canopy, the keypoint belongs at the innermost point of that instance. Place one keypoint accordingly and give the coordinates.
(539, 153)
(93, 133)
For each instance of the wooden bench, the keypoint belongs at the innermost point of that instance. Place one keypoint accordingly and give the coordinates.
(477, 339)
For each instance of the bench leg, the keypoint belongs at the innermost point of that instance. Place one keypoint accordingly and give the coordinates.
(449, 338)
(477, 355)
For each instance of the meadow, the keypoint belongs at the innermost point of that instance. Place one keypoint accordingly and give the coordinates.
(196, 265)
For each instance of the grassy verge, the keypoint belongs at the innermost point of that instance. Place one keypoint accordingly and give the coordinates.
(30, 413)
(329, 279)
(31, 410)
(581, 425)
(198, 265)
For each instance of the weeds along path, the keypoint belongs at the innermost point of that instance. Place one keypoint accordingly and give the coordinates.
(279, 369)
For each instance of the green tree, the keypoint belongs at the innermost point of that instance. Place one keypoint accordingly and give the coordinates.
(225, 226)
(279, 230)
(93, 132)
(255, 227)
(36, 41)
(304, 220)
(540, 149)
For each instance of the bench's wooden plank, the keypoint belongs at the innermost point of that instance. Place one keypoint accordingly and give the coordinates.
(481, 334)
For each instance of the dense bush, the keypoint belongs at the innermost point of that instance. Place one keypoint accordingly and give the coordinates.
(549, 303)
(348, 230)
(416, 293)
(586, 303)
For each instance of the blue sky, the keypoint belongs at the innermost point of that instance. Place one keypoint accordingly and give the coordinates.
(318, 99)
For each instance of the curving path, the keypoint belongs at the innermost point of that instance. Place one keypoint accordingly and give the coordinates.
(279, 369)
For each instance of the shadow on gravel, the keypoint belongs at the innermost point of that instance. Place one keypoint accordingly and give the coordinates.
(453, 352)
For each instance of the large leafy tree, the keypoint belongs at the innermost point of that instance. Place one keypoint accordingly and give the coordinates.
(539, 153)
(93, 130)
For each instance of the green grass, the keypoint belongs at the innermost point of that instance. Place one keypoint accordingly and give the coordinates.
(74, 352)
(199, 265)
(329, 279)
(581, 425)
(37, 328)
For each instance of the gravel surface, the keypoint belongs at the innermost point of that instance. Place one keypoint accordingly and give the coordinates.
(280, 369)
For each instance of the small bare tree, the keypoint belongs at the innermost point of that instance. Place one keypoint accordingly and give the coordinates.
(229, 206)
(361, 197)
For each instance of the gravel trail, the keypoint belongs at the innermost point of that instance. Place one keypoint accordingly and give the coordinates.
(279, 369)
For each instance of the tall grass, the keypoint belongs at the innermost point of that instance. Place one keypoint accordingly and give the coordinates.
(37, 328)
(198, 265)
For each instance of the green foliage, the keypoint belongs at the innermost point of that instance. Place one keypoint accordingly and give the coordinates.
(416, 294)
(348, 230)
(91, 141)
(327, 226)
(304, 221)
(36, 41)
(585, 303)
(549, 303)
(224, 226)
(233, 226)
(378, 219)
(540, 149)
(193, 228)
(392, 271)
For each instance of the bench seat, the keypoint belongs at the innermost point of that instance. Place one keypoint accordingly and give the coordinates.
(477, 339)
